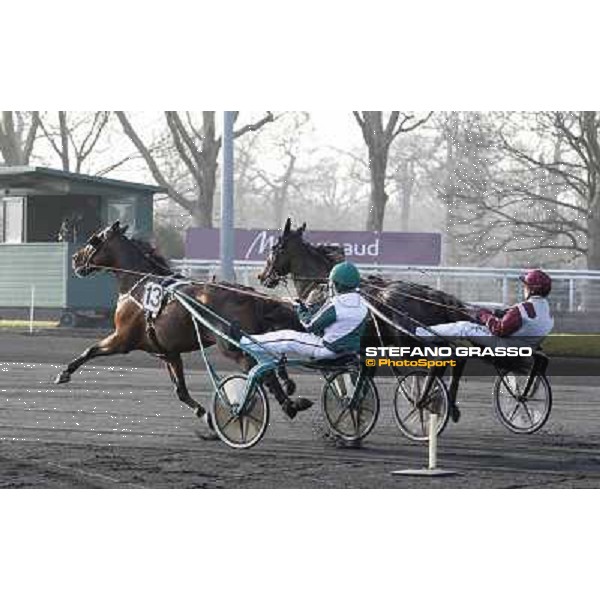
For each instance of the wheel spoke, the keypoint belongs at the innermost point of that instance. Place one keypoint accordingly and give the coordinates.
(410, 415)
(514, 412)
(422, 422)
(508, 388)
(528, 414)
(229, 421)
(253, 418)
(354, 421)
(242, 429)
(340, 417)
(332, 387)
(405, 392)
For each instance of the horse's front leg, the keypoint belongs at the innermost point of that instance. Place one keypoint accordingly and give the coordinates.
(106, 347)
(175, 369)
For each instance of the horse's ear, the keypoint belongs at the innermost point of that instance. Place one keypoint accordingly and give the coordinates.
(116, 226)
(302, 229)
(288, 226)
(123, 230)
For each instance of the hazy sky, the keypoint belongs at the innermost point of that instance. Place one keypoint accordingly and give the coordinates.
(330, 129)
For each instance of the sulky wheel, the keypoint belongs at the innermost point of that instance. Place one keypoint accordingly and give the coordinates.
(418, 395)
(350, 413)
(519, 409)
(244, 429)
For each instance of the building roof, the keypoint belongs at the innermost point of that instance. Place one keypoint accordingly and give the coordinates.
(41, 181)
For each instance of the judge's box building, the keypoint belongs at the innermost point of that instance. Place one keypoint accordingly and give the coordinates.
(46, 215)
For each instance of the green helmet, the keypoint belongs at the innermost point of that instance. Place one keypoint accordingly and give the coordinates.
(344, 276)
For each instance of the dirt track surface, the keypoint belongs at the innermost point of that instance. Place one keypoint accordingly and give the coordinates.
(119, 424)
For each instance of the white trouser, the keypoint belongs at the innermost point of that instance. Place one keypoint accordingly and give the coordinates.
(462, 329)
(287, 342)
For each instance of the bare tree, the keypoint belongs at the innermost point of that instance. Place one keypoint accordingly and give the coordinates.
(412, 167)
(196, 145)
(18, 132)
(278, 178)
(378, 137)
(542, 193)
(74, 136)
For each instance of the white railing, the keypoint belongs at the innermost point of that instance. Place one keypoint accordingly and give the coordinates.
(483, 284)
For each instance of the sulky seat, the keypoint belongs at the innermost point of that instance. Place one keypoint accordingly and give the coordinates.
(341, 360)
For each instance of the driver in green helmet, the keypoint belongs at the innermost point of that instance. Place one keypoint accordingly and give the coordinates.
(333, 328)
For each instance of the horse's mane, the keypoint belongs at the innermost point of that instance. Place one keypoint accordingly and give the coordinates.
(148, 249)
(330, 252)
(410, 288)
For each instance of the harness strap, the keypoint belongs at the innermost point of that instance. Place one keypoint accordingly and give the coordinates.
(151, 331)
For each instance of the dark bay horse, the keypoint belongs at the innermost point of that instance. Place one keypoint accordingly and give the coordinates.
(407, 304)
(134, 263)
(309, 265)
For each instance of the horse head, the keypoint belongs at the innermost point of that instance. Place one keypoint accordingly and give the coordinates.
(281, 256)
(99, 251)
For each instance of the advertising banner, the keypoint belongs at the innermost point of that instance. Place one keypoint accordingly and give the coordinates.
(388, 248)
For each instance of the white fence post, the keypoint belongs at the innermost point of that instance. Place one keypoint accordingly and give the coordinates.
(505, 290)
(32, 309)
(433, 425)
(571, 295)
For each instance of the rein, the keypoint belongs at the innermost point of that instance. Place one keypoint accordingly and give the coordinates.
(404, 294)
(328, 262)
(143, 274)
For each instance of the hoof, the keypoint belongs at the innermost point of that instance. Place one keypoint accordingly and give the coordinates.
(302, 404)
(454, 413)
(64, 377)
(289, 409)
(207, 434)
(208, 421)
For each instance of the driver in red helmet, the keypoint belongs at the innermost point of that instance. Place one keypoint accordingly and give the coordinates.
(530, 318)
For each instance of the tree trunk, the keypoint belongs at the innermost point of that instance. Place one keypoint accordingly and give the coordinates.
(280, 196)
(64, 139)
(451, 249)
(203, 211)
(406, 184)
(10, 144)
(378, 158)
(593, 253)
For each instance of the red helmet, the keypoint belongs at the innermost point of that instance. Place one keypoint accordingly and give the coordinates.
(538, 282)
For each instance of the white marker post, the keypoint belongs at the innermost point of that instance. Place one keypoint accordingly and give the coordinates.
(431, 470)
(31, 309)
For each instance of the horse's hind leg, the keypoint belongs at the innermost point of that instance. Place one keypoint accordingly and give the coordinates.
(106, 347)
(457, 372)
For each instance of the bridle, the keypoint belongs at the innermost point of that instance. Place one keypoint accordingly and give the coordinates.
(96, 242)
(272, 276)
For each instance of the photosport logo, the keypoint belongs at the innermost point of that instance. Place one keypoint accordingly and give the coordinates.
(437, 356)
(574, 356)
(398, 358)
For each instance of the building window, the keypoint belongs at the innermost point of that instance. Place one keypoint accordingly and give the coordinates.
(13, 220)
(122, 211)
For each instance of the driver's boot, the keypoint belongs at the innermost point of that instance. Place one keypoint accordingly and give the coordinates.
(292, 407)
